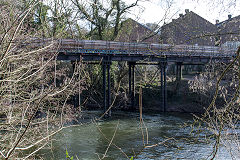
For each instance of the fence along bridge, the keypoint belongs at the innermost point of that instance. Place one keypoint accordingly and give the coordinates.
(139, 53)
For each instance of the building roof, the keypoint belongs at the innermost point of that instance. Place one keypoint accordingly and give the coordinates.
(133, 31)
(189, 28)
(229, 30)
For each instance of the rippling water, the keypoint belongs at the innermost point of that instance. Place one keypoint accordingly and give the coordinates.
(88, 143)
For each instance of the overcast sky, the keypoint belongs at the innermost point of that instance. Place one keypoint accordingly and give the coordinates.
(211, 10)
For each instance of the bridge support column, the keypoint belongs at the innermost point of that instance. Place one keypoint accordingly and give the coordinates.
(76, 97)
(163, 66)
(106, 88)
(132, 84)
(178, 71)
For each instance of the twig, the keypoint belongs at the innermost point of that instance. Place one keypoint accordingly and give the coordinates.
(2, 154)
(110, 143)
(141, 119)
(28, 125)
(220, 79)
(36, 150)
(155, 145)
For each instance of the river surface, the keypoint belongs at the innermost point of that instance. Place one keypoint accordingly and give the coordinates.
(168, 138)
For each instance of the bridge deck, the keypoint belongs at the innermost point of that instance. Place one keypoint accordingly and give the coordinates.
(96, 50)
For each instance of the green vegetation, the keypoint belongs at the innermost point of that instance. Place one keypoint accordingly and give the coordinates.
(68, 157)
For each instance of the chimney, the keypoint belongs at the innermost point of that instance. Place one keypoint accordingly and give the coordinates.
(217, 21)
(229, 16)
(186, 11)
(180, 15)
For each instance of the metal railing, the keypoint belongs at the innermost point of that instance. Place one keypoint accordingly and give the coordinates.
(144, 48)
(112, 47)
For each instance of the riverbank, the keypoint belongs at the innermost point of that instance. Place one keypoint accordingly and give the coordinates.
(179, 99)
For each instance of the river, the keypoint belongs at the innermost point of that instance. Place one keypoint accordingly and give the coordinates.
(168, 137)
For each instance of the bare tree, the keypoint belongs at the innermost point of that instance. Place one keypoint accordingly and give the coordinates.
(105, 17)
(34, 87)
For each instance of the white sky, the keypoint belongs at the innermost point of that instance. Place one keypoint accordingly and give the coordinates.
(153, 10)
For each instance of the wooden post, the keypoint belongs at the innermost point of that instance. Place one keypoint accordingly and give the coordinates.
(109, 90)
(162, 88)
(104, 87)
(133, 87)
(165, 86)
(129, 79)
